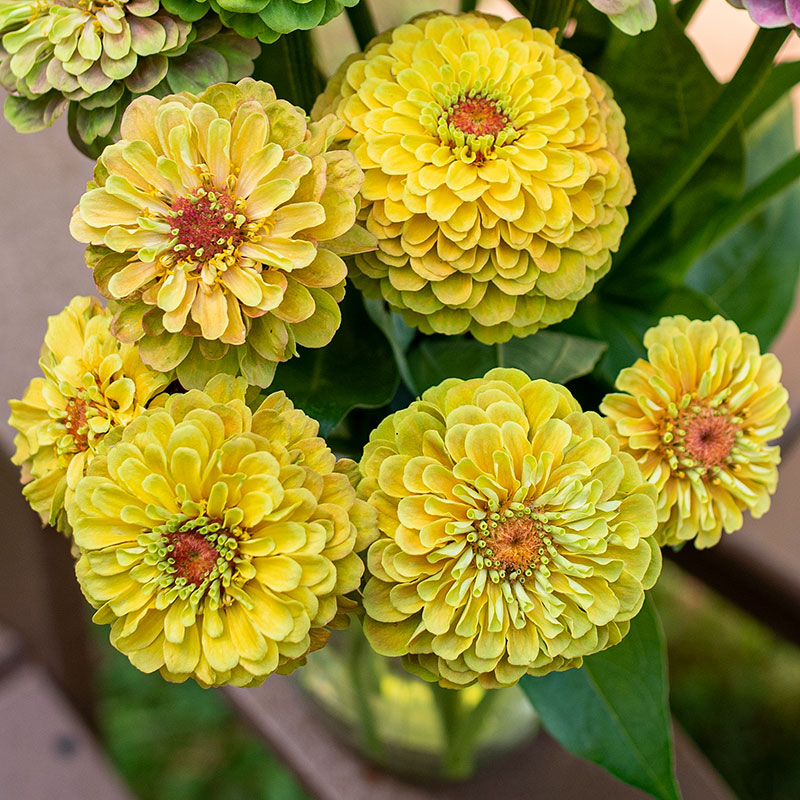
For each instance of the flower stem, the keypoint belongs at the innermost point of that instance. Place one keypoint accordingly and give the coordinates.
(363, 680)
(462, 728)
(686, 10)
(289, 66)
(546, 14)
(362, 23)
(720, 118)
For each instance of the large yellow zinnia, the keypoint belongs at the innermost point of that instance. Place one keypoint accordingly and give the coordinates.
(218, 222)
(216, 541)
(698, 416)
(514, 536)
(496, 174)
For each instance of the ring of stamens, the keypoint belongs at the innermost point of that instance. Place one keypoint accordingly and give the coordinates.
(472, 124)
(208, 226)
(513, 541)
(196, 557)
(699, 437)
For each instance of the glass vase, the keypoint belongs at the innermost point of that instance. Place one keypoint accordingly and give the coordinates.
(405, 725)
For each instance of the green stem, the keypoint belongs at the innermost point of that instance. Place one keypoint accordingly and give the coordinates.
(782, 78)
(363, 678)
(546, 14)
(728, 108)
(288, 65)
(461, 750)
(686, 10)
(501, 354)
(362, 23)
(450, 708)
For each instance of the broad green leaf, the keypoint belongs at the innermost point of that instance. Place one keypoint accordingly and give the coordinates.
(752, 273)
(614, 710)
(622, 325)
(355, 370)
(397, 333)
(558, 357)
(664, 89)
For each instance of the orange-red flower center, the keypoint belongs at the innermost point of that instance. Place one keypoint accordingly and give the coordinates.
(515, 544)
(479, 116)
(75, 422)
(204, 225)
(194, 556)
(710, 437)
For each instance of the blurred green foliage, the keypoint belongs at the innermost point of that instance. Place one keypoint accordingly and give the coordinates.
(735, 688)
(181, 742)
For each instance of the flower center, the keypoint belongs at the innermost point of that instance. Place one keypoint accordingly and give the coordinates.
(197, 556)
(194, 556)
(205, 225)
(75, 422)
(477, 116)
(699, 436)
(710, 438)
(512, 542)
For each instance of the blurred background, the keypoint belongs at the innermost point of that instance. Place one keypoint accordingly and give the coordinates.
(735, 685)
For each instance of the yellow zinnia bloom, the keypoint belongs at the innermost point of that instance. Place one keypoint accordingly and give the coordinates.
(495, 169)
(216, 541)
(514, 536)
(91, 384)
(218, 222)
(698, 415)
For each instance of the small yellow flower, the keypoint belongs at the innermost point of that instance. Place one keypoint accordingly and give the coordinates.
(698, 415)
(495, 167)
(216, 541)
(91, 384)
(218, 222)
(514, 536)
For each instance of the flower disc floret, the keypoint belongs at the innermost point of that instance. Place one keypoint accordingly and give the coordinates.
(91, 384)
(98, 53)
(698, 416)
(218, 222)
(514, 536)
(218, 542)
(496, 179)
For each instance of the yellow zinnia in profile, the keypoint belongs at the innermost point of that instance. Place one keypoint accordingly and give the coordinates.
(496, 175)
(514, 536)
(216, 541)
(91, 384)
(698, 415)
(218, 222)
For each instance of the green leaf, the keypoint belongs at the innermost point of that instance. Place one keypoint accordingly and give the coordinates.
(355, 370)
(622, 326)
(558, 357)
(752, 273)
(664, 88)
(614, 710)
(397, 333)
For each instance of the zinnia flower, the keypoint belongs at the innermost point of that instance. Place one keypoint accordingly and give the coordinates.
(91, 385)
(495, 173)
(218, 542)
(218, 222)
(100, 54)
(263, 19)
(771, 13)
(514, 536)
(698, 416)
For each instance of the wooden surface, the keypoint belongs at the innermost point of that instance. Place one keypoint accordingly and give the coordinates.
(541, 770)
(46, 752)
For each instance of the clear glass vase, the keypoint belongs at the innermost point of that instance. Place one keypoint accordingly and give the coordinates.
(404, 724)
